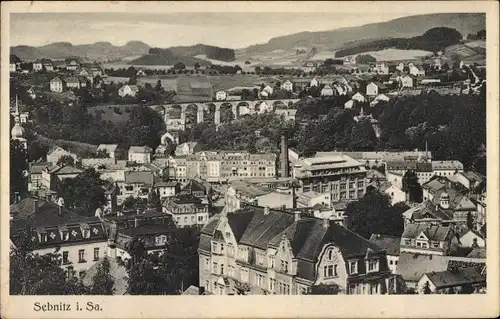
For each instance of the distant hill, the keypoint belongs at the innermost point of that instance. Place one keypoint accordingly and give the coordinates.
(100, 51)
(433, 40)
(406, 27)
(186, 55)
(157, 56)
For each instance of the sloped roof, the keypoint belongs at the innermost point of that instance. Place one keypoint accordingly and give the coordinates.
(117, 271)
(37, 168)
(140, 149)
(111, 148)
(139, 177)
(66, 169)
(412, 266)
(428, 208)
(239, 222)
(194, 186)
(458, 277)
(387, 242)
(478, 252)
(434, 233)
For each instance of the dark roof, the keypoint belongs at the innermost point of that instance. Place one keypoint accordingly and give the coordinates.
(139, 177)
(239, 222)
(47, 213)
(147, 230)
(185, 199)
(458, 277)
(433, 232)
(412, 266)
(387, 242)
(307, 236)
(37, 168)
(478, 252)
(194, 186)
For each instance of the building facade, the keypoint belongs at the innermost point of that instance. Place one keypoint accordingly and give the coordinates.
(341, 176)
(262, 251)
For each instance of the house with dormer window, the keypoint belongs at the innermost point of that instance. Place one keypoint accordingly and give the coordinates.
(259, 250)
(428, 239)
(81, 241)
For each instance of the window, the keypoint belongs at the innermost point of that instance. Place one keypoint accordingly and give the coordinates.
(207, 285)
(407, 242)
(272, 284)
(228, 235)
(65, 257)
(244, 275)
(221, 248)
(260, 280)
(215, 247)
(435, 245)
(207, 263)
(96, 254)
(372, 265)
(231, 270)
(70, 272)
(185, 219)
(214, 267)
(81, 256)
(271, 261)
(86, 233)
(284, 266)
(260, 259)
(230, 249)
(353, 267)
(200, 218)
(222, 269)
(65, 235)
(330, 271)
(161, 240)
(390, 262)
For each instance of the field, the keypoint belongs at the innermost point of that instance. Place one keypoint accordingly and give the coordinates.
(72, 146)
(108, 114)
(396, 54)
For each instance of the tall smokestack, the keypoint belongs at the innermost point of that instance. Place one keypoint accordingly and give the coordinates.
(284, 153)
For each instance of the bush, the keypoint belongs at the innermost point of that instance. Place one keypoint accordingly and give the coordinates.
(117, 110)
(127, 109)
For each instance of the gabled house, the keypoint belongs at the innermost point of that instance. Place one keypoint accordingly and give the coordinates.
(140, 154)
(56, 152)
(287, 86)
(57, 85)
(258, 250)
(111, 149)
(358, 97)
(72, 64)
(407, 81)
(327, 91)
(471, 238)
(221, 95)
(452, 281)
(80, 240)
(53, 176)
(391, 246)
(187, 210)
(375, 88)
(73, 82)
(428, 239)
(395, 193)
(128, 90)
(37, 66)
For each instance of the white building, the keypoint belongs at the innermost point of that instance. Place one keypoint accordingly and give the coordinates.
(287, 86)
(221, 96)
(56, 85)
(140, 154)
(327, 91)
(128, 90)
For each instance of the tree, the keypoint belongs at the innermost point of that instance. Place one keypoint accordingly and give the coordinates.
(363, 137)
(34, 274)
(470, 221)
(373, 214)
(196, 65)
(179, 66)
(66, 160)
(18, 170)
(158, 86)
(365, 59)
(88, 183)
(412, 187)
(102, 282)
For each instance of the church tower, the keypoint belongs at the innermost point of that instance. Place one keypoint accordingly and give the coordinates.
(18, 132)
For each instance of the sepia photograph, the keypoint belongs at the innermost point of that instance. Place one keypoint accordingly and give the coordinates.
(246, 153)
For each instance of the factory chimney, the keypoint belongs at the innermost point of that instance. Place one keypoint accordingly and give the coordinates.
(284, 153)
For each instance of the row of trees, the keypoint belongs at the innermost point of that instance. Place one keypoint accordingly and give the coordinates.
(433, 40)
(143, 126)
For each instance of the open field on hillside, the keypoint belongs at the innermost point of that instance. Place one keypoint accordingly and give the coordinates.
(72, 146)
(107, 112)
(397, 54)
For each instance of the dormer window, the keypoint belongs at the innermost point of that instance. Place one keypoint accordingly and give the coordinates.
(85, 230)
(161, 240)
(372, 265)
(353, 267)
(42, 235)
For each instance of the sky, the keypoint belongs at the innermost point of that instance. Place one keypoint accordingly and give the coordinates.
(230, 30)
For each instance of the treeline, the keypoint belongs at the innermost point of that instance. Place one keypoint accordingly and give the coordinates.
(433, 40)
(212, 52)
(75, 123)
